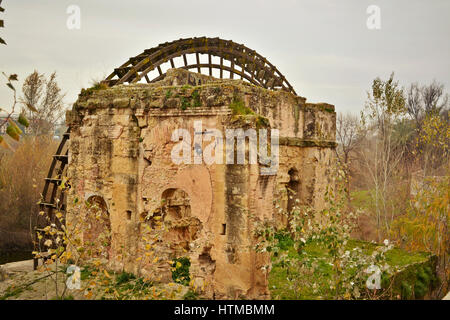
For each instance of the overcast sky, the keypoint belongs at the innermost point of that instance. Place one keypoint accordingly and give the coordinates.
(323, 47)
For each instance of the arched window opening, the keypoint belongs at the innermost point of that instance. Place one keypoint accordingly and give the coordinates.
(182, 228)
(293, 191)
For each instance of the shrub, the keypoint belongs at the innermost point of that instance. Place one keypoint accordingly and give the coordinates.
(180, 270)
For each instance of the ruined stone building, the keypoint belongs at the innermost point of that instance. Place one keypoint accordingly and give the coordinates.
(121, 157)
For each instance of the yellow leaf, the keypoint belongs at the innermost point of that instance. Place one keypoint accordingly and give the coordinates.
(106, 274)
(10, 131)
(4, 144)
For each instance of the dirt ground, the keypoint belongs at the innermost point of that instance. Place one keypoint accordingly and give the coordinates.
(25, 284)
(21, 282)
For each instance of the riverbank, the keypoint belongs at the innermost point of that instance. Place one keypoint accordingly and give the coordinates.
(15, 255)
(15, 246)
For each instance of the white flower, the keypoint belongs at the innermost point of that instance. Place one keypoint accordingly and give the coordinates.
(302, 240)
(386, 242)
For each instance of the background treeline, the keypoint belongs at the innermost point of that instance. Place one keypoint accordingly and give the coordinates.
(395, 158)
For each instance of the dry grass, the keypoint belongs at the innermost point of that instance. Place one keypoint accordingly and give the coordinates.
(22, 174)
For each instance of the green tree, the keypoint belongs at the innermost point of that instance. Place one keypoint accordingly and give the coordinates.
(381, 155)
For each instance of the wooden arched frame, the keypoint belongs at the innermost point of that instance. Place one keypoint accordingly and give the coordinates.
(244, 63)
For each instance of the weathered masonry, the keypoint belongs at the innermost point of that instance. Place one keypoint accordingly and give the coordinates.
(120, 158)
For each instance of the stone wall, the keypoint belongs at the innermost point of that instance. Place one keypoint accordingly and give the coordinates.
(120, 151)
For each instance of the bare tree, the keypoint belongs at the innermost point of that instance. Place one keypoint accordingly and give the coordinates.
(414, 103)
(434, 99)
(46, 96)
(424, 102)
(348, 134)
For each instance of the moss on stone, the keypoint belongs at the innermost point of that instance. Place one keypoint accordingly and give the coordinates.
(238, 107)
(185, 103)
(262, 122)
(196, 98)
(96, 87)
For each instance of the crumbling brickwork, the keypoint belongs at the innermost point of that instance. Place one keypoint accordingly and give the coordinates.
(120, 152)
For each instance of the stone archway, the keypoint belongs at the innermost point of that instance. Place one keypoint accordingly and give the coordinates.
(293, 189)
(97, 227)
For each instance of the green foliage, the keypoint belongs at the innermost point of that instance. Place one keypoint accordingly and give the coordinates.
(406, 290)
(69, 297)
(96, 87)
(168, 93)
(262, 121)
(191, 295)
(387, 97)
(12, 132)
(192, 101)
(11, 292)
(196, 98)
(417, 283)
(317, 286)
(180, 270)
(285, 240)
(124, 277)
(185, 103)
(238, 107)
(86, 272)
(315, 258)
(23, 120)
(143, 284)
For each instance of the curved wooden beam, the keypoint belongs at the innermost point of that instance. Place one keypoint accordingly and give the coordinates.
(253, 67)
